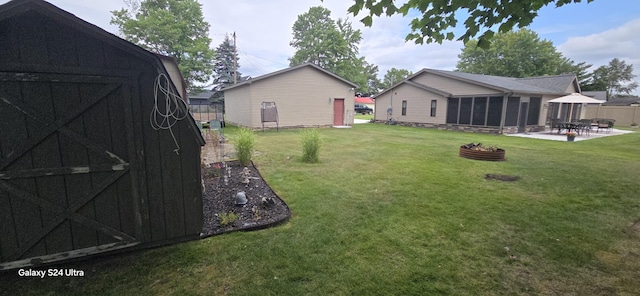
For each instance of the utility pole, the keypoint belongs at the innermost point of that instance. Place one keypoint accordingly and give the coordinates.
(235, 62)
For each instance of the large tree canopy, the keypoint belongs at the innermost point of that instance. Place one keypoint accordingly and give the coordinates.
(332, 45)
(170, 27)
(439, 16)
(394, 76)
(513, 54)
(616, 78)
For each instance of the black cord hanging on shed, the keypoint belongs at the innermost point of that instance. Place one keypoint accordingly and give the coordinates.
(269, 113)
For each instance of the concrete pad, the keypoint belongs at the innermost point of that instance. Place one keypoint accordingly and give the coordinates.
(554, 136)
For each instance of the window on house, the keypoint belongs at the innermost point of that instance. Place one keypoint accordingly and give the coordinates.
(404, 108)
(465, 111)
(453, 105)
(479, 111)
(433, 108)
(513, 108)
(494, 112)
(534, 110)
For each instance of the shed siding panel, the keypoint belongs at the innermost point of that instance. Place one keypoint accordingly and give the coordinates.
(192, 187)
(237, 103)
(452, 86)
(31, 35)
(90, 51)
(61, 44)
(170, 208)
(10, 46)
(172, 186)
(14, 132)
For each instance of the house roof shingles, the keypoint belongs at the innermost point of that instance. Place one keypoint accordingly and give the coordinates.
(553, 84)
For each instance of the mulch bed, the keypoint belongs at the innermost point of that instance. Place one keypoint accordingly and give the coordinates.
(263, 208)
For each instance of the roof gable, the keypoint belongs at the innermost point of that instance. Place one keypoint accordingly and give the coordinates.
(287, 70)
(553, 84)
(19, 7)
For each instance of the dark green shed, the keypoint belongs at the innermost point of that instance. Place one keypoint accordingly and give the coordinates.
(82, 169)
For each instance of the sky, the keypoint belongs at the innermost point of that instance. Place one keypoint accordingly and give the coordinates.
(594, 33)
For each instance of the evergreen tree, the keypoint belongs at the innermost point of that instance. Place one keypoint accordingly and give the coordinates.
(224, 67)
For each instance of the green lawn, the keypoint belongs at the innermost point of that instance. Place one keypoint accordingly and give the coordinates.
(391, 210)
(365, 116)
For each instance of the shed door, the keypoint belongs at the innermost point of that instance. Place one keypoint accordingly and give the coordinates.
(338, 112)
(66, 149)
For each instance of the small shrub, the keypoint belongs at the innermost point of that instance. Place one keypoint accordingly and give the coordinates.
(310, 145)
(212, 170)
(228, 218)
(244, 146)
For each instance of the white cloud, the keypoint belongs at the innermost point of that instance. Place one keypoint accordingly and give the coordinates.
(598, 49)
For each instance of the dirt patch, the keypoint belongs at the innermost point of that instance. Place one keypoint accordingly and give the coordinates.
(221, 214)
(635, 228)
(499, 177)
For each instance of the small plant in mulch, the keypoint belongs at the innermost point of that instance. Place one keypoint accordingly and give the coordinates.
(212, 170)
(228, 218)
(244, 144)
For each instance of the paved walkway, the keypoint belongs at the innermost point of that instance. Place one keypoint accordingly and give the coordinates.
(554, 136)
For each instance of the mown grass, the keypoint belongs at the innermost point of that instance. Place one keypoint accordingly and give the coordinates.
(391, 210)
(365, 116)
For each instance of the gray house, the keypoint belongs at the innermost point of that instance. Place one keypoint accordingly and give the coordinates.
(474, 102)
(304, 95)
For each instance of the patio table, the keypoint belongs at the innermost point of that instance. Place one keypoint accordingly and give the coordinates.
(569, 126)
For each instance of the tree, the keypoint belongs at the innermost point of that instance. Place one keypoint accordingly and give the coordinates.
(225, 58)
(439, 17)
(580, 69)
(513, 54)
(373, 84)
(170, 27)
(317, 40)
(394, 76)
(613, 77)
(333, 46)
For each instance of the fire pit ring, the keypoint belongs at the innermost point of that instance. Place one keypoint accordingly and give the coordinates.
(479, 152)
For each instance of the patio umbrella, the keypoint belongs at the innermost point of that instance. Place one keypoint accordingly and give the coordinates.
(575, 98)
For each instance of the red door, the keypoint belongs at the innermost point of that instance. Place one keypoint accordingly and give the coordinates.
(338, 112)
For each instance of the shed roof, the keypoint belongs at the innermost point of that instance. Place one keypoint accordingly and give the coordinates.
(263, 77)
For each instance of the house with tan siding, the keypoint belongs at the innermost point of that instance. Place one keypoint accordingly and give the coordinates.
(474, 102)
(304, 95)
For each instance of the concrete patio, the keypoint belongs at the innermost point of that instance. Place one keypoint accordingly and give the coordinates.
(554, 136)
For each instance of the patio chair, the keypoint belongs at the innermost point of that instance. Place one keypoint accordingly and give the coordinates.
(555, 123)
(606, 124)
(585, 126)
